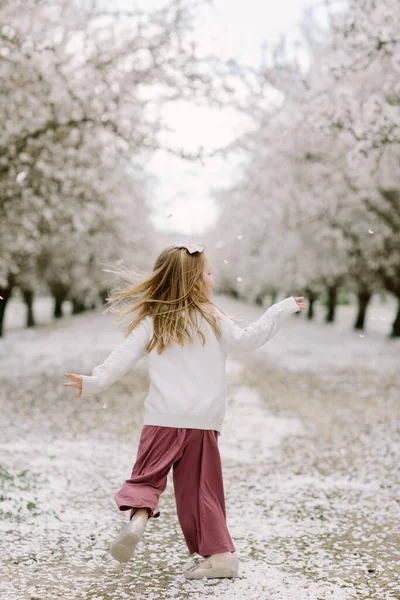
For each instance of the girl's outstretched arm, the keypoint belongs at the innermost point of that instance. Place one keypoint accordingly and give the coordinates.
(118, 363)
(238, 339)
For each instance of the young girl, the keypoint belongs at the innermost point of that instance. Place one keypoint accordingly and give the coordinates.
(186, 338)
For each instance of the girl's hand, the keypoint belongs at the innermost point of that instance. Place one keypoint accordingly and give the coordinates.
(77, 383)
(300, 304)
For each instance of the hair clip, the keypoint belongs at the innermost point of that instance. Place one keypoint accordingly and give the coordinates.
(191, 247)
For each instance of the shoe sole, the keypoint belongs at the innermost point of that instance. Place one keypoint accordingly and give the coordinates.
(206, 573)
(124, 549)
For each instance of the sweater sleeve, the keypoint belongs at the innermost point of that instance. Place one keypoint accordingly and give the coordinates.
(118, 363)
(247, 339)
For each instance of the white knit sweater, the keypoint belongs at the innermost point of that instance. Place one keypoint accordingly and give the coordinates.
(187, 384)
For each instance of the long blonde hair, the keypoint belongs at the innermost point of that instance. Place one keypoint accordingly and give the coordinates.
(171, 295)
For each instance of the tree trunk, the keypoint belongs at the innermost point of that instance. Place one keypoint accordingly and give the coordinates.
(5, 293)
(312, 296)
(58, 300)
(77, 306)
(396, 323)
(392, 285)
(59, 291)
(332, 299)
(259, 300)
(103, 295)
(363, 297)
(28, 296)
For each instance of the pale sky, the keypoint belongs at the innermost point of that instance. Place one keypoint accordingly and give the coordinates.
(231, 28)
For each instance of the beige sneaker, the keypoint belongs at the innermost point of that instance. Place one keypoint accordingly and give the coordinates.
(124, 545)
(214, 566)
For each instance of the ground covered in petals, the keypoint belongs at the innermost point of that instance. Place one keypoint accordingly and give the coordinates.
(310, 449)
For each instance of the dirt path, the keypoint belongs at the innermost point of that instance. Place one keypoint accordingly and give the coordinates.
(310, 463)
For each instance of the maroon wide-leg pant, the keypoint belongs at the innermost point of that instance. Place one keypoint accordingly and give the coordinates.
(198, 485)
